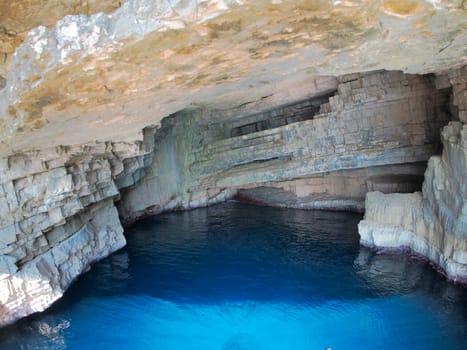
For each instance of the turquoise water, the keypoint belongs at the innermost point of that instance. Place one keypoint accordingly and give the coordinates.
(236, 276)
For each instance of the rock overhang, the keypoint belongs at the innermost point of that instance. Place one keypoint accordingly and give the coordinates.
(106, 76)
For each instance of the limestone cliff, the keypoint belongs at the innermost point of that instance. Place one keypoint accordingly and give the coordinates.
(370, 132)
(432, 223)
(57, 217)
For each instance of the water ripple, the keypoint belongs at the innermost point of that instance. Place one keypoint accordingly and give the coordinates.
(243, 277)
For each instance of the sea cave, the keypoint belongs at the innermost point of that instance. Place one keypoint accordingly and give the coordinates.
(233, 174)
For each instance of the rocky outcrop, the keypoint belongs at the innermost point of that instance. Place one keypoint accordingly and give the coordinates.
(432, 223)
(57, 217)
(337, 190)
(37, 283)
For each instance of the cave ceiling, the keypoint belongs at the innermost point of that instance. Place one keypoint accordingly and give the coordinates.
(78, 71)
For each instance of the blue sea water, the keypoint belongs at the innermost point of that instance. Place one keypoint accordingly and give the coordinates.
(237, 276)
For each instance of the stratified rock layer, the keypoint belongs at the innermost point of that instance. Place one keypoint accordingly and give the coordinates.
(337, 190)
(262, 116)
(310, 148)
(42, 280)
(57, 217)
(433, 224)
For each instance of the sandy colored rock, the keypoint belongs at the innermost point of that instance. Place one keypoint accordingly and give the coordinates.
(113, 74)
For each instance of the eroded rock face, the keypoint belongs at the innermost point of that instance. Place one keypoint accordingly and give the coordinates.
(17, 18)
(433, 224)
(113, 74)
(337, 190)
(350, 135)
(42, 280)
(326, 151)
(57, 217)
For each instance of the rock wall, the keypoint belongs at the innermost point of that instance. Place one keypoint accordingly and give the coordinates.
(314, 149)
(57, 217)
(337, 190)
(273, 123)
(432, 223)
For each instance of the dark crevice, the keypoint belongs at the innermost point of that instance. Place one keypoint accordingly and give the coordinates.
(281, 116)
(2, 82)
(265, 161)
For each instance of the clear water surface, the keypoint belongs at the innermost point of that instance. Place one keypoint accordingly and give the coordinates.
(237, 276)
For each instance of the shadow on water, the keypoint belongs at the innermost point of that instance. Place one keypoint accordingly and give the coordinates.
(225, 263)
(233, 252)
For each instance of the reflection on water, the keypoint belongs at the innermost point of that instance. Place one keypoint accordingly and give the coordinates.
(403, 274)
(236, 276)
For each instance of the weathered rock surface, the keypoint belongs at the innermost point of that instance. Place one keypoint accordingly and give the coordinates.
(337, 190)
(306, 148)
(433, 224)
(41, 281)
(57, 217)
(110, 75)
(17, 18)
